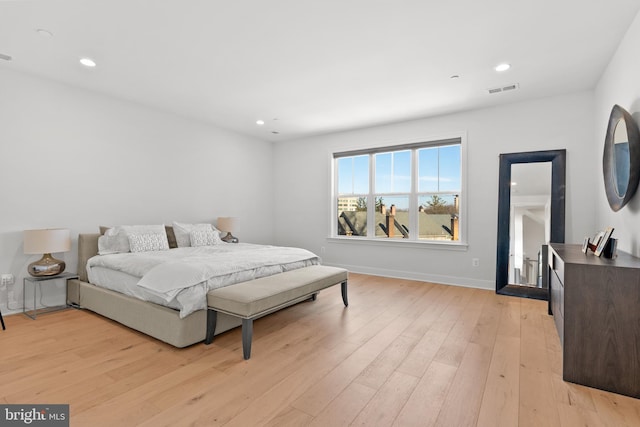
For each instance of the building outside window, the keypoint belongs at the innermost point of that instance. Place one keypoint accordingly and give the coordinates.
(411, 192)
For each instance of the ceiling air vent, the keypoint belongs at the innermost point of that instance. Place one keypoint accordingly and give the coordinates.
(504, 88)
(5, 57)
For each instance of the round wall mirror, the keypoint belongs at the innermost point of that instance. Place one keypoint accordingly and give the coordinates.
(621, 158)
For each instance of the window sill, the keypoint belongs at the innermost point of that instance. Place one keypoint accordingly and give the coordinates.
(443, 246)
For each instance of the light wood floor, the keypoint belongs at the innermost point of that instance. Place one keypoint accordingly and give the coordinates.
(403, 353)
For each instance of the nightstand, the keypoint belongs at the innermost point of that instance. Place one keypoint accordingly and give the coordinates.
(36, 283)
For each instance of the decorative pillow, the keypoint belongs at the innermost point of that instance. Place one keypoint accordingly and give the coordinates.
(115, 244)
(205, 238)
(183, 232)
(171, 237)
(116, 239)
(148, 242)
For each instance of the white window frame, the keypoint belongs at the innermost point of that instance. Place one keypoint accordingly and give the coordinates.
(413, 240)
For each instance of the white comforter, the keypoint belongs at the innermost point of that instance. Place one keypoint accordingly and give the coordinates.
(185, 275)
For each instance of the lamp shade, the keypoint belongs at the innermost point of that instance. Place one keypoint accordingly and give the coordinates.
(227, 223)
(47, 241)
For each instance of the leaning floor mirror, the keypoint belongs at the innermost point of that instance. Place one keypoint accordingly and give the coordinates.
(531, 211)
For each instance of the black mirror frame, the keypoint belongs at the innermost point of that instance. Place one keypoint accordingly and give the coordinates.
(558, 159)
(615, 200)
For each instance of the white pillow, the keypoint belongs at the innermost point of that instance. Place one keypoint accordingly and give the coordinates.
(148, 242)
(183, 232)
(113, 244)
(205, 238)
(116, 239)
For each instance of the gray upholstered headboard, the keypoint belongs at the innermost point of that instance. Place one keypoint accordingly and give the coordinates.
(87, 248)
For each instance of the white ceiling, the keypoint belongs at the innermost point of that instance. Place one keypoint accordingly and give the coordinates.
(531, 179)
(315, 66)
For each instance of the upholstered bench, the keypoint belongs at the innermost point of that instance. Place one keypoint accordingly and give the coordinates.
(256, 298)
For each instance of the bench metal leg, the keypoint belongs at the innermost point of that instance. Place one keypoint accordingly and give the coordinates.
(212, 318)
(314, 297)
(2, 320)
(344, 294)
(247, 335)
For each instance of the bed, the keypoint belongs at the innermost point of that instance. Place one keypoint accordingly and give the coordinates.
(160, 318)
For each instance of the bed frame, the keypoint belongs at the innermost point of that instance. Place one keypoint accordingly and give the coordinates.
(152, 319)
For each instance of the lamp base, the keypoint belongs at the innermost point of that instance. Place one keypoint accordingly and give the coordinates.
(46, 266)
(229, 238)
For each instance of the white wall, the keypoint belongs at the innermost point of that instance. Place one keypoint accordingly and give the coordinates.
(71, 158)
(76, 159)
(302, 181)
(620, 84)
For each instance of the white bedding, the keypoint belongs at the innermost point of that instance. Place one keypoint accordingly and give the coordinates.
(180, 278)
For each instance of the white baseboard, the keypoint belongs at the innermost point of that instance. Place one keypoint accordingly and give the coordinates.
(412, 275)
(7, 312)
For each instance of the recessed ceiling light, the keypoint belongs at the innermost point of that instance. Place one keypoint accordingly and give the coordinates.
(88, 62)
(514, 183)
(259, 122)
(503, 67)
(44, 33)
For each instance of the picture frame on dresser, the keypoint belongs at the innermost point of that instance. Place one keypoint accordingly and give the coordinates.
(585, 245)
(603, 241)
(596, 239)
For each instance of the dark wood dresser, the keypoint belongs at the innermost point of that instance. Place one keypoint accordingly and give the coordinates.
(596, 307)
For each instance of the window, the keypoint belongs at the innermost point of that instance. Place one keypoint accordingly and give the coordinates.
(411, 191)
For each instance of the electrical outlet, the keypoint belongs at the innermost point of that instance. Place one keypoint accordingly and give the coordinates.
(7, 280)
(322, 250)
(475, 262)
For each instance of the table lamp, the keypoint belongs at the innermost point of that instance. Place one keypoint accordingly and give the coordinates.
(227, 224)
(46, 242)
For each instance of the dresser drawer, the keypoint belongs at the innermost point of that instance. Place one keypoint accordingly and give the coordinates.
(557, 303)
(557, 294)
(557, 265)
